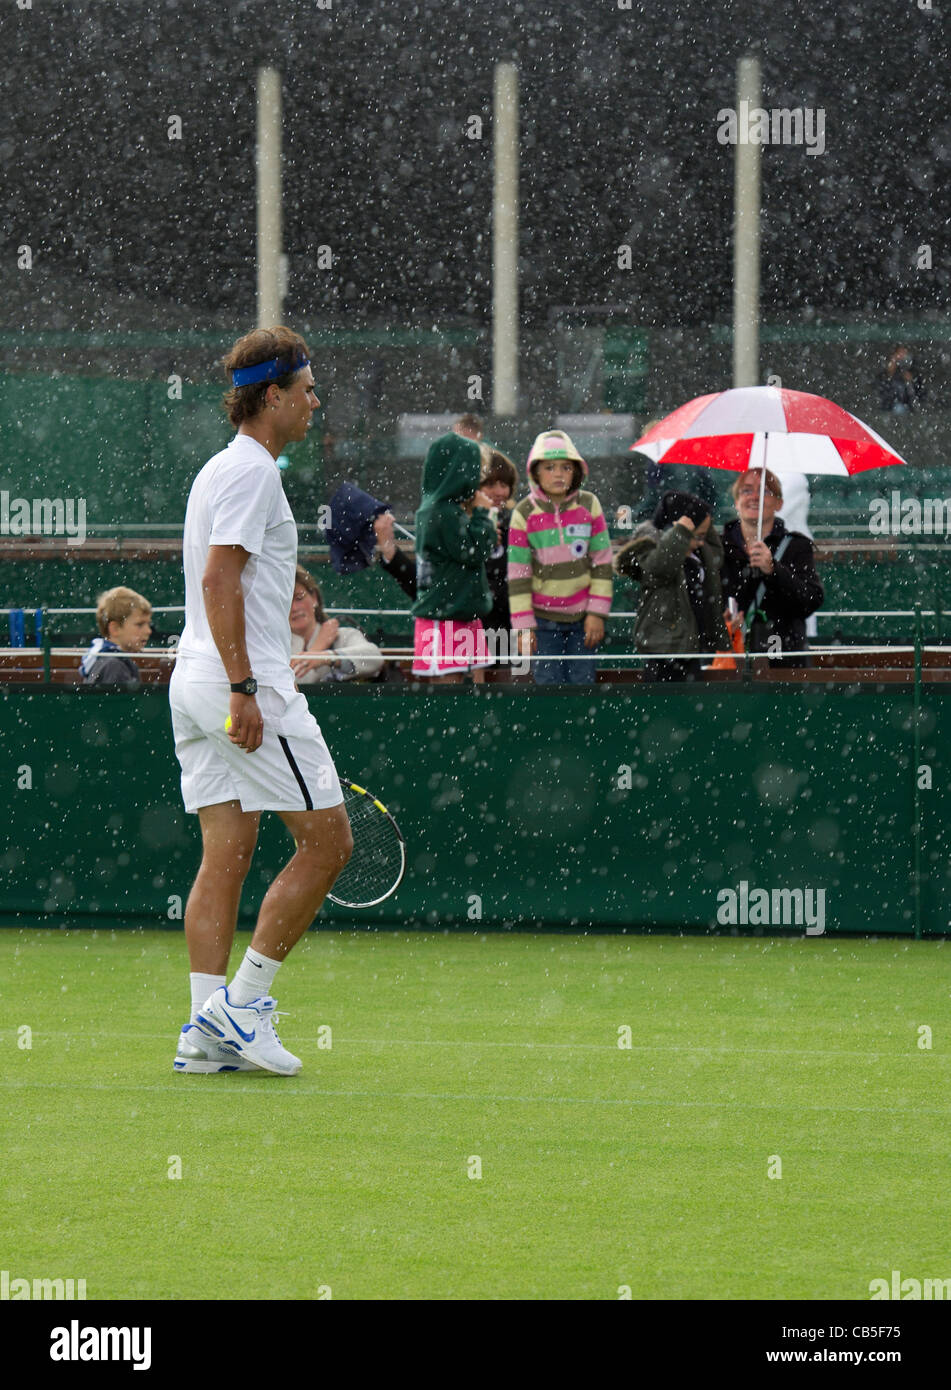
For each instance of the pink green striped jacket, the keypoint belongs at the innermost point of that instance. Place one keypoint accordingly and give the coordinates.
(559, 561)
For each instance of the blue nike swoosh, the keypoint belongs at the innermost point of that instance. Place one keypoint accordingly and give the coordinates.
(248, 1037)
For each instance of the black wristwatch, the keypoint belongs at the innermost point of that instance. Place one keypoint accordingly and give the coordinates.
(245, 687)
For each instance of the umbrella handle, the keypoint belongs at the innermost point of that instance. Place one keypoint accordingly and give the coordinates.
(762, 496)
(758, 460)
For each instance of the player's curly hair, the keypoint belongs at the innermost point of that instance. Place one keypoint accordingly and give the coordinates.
(244, 402)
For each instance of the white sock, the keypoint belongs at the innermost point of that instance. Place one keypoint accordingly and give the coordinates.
(203, 986)
(254, 978)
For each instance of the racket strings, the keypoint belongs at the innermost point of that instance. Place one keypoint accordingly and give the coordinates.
(377, 860)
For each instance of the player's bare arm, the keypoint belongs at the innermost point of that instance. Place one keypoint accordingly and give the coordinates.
(224, 607)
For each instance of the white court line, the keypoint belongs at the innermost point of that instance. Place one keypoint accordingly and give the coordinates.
(661, 1102)
(910, 1055)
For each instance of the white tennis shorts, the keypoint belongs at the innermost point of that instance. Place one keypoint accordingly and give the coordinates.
(291, 771)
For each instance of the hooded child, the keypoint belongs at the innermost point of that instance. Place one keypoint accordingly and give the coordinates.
(559, 563)
(455, 536)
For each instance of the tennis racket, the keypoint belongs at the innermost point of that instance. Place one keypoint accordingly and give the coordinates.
(376, 867)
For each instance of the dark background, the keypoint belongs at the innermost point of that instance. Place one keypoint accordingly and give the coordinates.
(618, 119)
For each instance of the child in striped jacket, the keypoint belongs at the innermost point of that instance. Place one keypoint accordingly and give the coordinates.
(559, 562)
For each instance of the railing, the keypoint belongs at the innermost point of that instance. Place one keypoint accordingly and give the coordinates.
(747, 665)
(830, 522)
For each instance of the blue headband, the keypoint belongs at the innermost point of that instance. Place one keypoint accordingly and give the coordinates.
(268, 371)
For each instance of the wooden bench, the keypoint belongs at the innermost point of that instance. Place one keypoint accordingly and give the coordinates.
(25, 665)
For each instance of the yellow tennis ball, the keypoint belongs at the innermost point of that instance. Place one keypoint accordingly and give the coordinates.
(228, 725)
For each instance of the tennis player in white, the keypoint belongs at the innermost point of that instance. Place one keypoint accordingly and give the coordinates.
(240, 557)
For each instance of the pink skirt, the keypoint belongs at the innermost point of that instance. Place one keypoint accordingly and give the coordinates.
(445, 646)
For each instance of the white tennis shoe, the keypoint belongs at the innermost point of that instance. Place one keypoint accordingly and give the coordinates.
(248, 1031)
(199, 1053)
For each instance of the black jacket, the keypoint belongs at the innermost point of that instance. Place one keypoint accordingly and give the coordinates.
(497, 573)
(790, 593)
(402, 568)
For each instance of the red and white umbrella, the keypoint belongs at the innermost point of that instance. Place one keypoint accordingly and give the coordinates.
(766, 427)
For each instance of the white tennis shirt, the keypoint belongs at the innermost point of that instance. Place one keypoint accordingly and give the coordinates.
(237, 499)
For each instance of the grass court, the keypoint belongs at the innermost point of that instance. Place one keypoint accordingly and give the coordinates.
(603, 1168)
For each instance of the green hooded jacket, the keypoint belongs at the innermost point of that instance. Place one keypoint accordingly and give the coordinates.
(452, 548)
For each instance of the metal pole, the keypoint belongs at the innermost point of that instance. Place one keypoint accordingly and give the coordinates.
(47, 650)
(505, 242)
(916, 763)
(268, 162)
(746, 215)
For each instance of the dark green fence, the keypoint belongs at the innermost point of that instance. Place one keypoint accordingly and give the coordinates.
(607, 808)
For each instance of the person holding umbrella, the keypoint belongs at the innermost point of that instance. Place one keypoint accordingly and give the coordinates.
(759, 432)
(771, 574)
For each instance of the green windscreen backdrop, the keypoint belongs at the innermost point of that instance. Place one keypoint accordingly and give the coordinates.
(604, 808)
(127, 447)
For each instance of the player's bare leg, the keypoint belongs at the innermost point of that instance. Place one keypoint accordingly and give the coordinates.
(229, 836)
(238, 1019)
(324, 845)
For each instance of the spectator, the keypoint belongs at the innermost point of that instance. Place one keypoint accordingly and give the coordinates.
(499, 481)
(469, 427)
(559, 571)
(348, 655)
(124, 619)
(454, 538)
(773, 580)
(396, 562)
(676, 557)
(900, 387)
